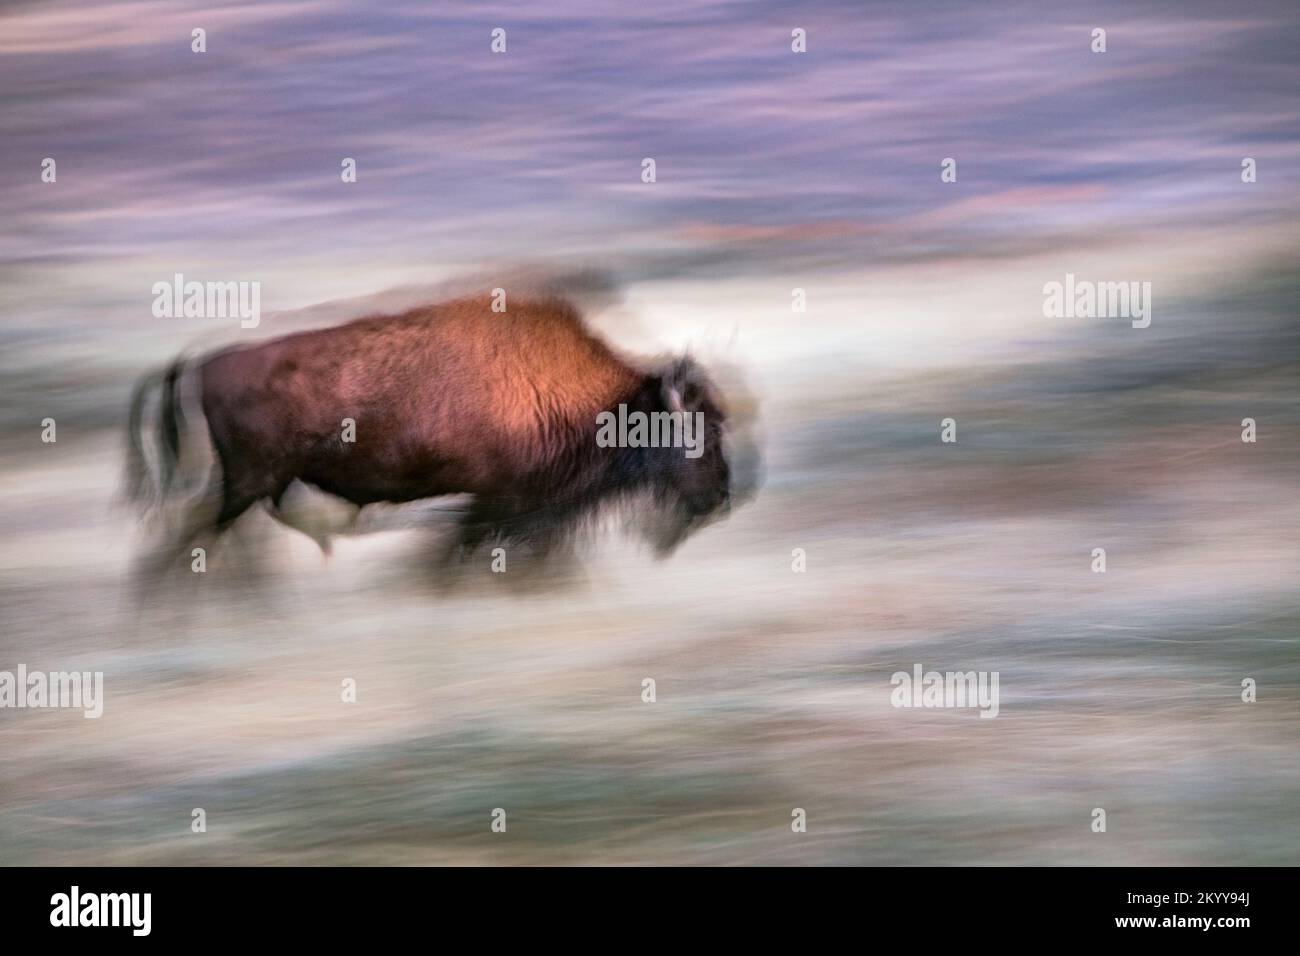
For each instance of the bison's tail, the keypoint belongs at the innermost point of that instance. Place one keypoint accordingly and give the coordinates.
(146, 486)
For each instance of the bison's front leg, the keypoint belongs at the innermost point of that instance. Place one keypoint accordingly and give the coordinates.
(532, 535)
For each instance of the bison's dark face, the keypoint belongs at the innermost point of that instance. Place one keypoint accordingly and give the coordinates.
(694, 483)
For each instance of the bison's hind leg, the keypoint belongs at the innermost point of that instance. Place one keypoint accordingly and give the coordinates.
(170, 561)
(185, 555)
(203, 525)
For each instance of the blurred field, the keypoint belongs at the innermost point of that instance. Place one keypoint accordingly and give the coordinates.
(1119, 690)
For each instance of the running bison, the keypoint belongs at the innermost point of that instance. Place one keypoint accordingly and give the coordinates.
(446, 399)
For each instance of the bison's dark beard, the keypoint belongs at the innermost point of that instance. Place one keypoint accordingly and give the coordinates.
(669, 522)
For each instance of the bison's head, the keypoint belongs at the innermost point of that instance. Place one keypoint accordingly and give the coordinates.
(696, 483)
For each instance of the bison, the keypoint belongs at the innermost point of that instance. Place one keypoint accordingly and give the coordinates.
(444, 399)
